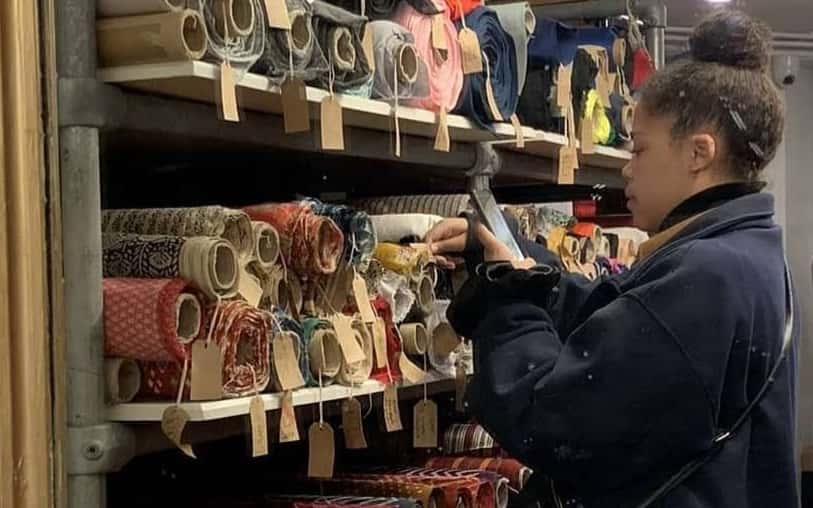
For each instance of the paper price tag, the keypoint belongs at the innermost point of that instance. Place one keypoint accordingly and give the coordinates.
(444, 340)
(249, 289)
(367, 46)
(228, 94)
(206, 371)
(563, 85)
(288, 429)
(380, 343)
(259, 427)
(492, 102)
(352, 425)
(363, 299)
(173, 422)
(439, 33)
(295, 106)
(425, 425)
(392, 411)
(351, 351)
(470, 51)
(321, 451)
(518, 131)
(277, 14)
(286, 364)
(442, 140)
(587, 143)
(566, 166)
(332, 124)
(460, 387)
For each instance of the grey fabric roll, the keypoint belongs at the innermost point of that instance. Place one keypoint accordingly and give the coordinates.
(445, 205)
(308, 61)
(519, 21)
(339, 36)
(397, 58)
(241, 50)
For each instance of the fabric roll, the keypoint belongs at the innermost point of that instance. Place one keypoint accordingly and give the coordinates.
(499, 69)
(339, 35)
(553, 43)
(131, 40)
(396, 227)
(392, 372)
(535, 106)
(232, 225)
(470, 439)
(116, 8)
(588, 230)
(596, 111)
(599, 36)
(122, 380)
(288, 324)
(443, 205)
(520, 22)
(441, 337)
(240, 42)
(309, 244)
(548, 218)
(297, 48)
(396, 291)
(354, 374)
(397, 59)
(444, 68)
(585, 70)
(427, 495)
(513, 470)
(306, 501)
(243, 334)
(424, 289)
(526, 217)
(458, 487)
(209, 263)
(359, 233)
(403, 259)
(150, 319)
(415, 339)
(384, 9)
(622, 116)
(266, 244)
(324, 352)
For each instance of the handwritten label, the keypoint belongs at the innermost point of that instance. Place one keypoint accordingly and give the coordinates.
(288, 429)
(425, 425)
(362, 299)
(173, 421)
(412, 373)
(259, 427)
(352, 425)
(470, 51)
(286, 364)
(351, 350)
(587, 144)
(249, 288)
(380, 343)
(392, 411)
(442, 140)
(277, 14)
(332, 124)
(295, 106)
(567, 165)
(439, 33)
(563, 85)
(206, 371)
(321, 450)
(518, 131)
(228, 94)
(460, 387)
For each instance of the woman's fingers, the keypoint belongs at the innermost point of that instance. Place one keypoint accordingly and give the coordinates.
(445, 229)
(453, 244)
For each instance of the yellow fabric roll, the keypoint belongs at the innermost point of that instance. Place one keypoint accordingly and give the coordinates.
(602, 128)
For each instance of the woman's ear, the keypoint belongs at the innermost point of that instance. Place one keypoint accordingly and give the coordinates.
(703, 149)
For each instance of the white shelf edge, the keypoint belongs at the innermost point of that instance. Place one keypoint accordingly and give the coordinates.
(135, 412)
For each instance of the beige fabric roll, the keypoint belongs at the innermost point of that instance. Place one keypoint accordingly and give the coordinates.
(151, 38)
(118, 8)
(425, 293)
(325, 355)
(353, 374)
(415, 339)
(266, 244)
(122, 380)
(395, 227)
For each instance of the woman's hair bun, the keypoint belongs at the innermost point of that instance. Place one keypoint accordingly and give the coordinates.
(733, 38)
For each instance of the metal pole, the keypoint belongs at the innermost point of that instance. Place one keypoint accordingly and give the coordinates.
(655, 18)
(81, 223)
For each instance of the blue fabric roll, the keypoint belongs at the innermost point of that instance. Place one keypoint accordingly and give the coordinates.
(604, 37)
(553, 43)
(498, 46)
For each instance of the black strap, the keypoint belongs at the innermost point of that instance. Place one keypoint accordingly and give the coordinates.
(725, 436)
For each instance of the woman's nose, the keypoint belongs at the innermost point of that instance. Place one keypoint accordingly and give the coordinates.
(626, 172)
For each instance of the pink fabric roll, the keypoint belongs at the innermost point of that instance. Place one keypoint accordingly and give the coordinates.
(445, 68)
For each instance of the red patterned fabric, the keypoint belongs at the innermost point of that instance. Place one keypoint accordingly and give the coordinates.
(307, 501)
(243, 334)
(310, 244)
(512, 469)
(140, 319)
(456, 486)
(428, 495)
(470, 439)
(382, 309)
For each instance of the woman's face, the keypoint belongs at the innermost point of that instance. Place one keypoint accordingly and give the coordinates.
(658, 178)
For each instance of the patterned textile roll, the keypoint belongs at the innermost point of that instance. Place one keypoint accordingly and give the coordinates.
(403, 259)
(456, 486)
(266, 244)
(305, 501)
(324, 352)
(526, 216)
(290, 325)
(384, 374)
(353, 374)
(427, 495)
(210, 263)
(243, 334)
(232, 225)
(479, 489)
(310, 245)
(444, 205)
(150, 319)
(516, 473)
(359, 234)
(470, 439)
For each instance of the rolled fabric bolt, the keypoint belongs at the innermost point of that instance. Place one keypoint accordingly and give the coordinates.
(443, 205)
(444, 69)
(231, 225)
(320, 336)
(117, 8)
(150, 319)
(266, 244)
(239, 15)
(313, 501)
(426, 496)
(597, 112)
(395, 290)
(397, 58)
(339, 34)
(516, 473)
(353, 374)
(425, 293)
(415, 338)
(384, 9)
(359, 234)
(519, 21)
(210, 263)
(402, 259)
(473, 488)
(288, 324)
(395, 227)
(122, 380)
(152, 38)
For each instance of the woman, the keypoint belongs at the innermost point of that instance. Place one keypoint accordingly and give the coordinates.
(610, 388)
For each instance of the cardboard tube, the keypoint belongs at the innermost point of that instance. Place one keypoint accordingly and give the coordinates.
(502, 493)
(211, 264)
(408, 63)
(118, 8)
(425, 294)
(238, 231)
(239, 16)
(332, 361)
(415, 338)
(342, 49)
(300, 30)
(266, 244)
(187, 318)
(122, 380)
(152, 38)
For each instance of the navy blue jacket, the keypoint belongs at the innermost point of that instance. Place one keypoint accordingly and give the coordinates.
(612, 386)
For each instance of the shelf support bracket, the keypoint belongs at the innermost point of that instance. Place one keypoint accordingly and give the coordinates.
(486, 165)
(99, 449)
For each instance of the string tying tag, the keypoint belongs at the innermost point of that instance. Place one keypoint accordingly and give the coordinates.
(395, 113)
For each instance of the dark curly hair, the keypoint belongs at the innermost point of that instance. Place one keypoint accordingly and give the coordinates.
(725, 84)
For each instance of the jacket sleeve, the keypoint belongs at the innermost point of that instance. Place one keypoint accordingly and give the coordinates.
(601, 406)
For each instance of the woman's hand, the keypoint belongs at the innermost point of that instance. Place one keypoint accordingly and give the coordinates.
(449, 237)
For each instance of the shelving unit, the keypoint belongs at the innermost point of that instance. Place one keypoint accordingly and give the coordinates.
(167, 111)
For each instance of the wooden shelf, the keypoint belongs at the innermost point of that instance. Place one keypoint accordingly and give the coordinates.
(215, 410)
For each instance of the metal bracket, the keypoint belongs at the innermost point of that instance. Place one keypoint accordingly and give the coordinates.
(87, 102)
(99, 449)
(487, 164)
